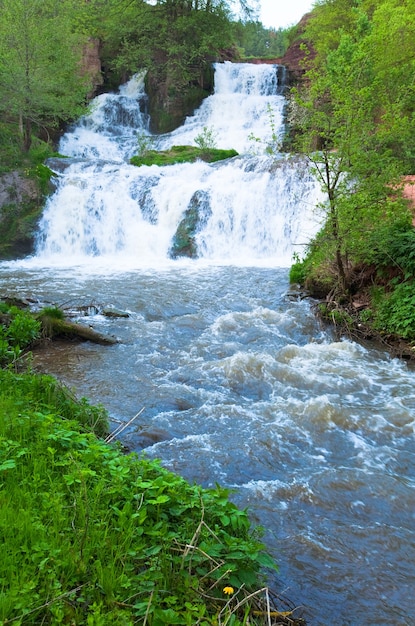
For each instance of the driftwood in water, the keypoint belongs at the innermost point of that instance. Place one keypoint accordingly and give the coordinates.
(55, 327)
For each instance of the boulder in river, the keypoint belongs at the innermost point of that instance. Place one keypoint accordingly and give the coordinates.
(194, 219)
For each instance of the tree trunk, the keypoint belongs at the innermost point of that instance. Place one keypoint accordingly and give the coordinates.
(337, 242)
(27, 134)
(331, 184)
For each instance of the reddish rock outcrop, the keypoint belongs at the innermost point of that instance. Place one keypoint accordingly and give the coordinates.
(295, 56)
(91, 64)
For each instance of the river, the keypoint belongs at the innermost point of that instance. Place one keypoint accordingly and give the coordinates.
(235, 380)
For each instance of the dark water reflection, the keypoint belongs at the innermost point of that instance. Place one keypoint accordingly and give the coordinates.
(239, 385)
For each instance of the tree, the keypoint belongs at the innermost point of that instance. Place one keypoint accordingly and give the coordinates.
(338, 119)
(41, 81)
(393, 52)
(257, 41)
(181, 31)
(175, 42)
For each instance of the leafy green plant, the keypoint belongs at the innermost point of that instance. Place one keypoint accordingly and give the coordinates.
(145, 143)
(18, 330)
(366, 316)
(43, 174)
(206, 140)
(335, 315)
(393, 246)
(273, 146)
(298, 270)
(94, 536)
(23, 329)
(395, 313)
(52, 311)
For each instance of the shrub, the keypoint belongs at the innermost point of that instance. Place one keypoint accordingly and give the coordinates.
(52, 311)
(23, 329)
(395, 313)
(18, 330)
(297, 273)
(206, 140)
(393, 246)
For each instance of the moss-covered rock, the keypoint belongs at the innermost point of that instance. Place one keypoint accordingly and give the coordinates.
(182, 154)
(21, 202)
(195, 217)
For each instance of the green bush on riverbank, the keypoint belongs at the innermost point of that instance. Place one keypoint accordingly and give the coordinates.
(93, 536)
(380, 297)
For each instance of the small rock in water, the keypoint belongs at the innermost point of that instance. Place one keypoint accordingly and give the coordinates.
(110, 312)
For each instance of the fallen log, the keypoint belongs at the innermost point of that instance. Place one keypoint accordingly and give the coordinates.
(53, 327)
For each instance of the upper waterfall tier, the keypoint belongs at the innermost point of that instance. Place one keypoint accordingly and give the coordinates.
(245, 110)
(246, 106)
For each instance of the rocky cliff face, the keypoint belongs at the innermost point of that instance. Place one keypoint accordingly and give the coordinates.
(294, 58)
(91, 65)
(172, 99)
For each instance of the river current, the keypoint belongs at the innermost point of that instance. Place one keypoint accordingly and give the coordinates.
(234, 379)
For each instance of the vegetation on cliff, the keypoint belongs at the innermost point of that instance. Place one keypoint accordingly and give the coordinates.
(23, 188)
(40, 57)
(352, 116)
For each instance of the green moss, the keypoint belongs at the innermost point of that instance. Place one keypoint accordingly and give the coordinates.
(18, 225)
(181, 154)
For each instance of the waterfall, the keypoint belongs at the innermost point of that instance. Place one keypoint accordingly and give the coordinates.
(244, 98)
(250, 209)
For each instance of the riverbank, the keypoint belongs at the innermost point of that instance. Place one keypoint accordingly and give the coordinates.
(373, 297)
(347, 322)
(91, 533)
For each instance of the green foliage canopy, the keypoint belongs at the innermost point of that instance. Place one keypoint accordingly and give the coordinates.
(40, 74)
(179, 34)
(346, 128)
(254, 40)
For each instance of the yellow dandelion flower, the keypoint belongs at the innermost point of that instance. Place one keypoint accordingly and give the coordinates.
(228, 590)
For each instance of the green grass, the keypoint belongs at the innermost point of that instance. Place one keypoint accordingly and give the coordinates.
(182, 154)
(94, 536)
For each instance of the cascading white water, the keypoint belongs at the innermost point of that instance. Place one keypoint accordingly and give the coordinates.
(109, 132)
(247, 105)
(256, 208)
